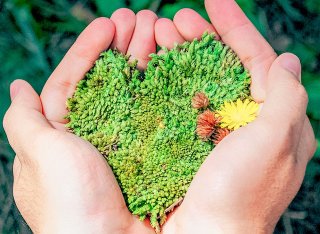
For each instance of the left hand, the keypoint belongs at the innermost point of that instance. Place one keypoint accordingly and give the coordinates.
(62, 184)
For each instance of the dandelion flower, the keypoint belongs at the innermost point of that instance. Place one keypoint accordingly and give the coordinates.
(206, 124)
(200, 100)
(237, 114)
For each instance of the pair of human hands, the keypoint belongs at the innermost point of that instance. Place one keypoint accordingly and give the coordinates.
(62, 184)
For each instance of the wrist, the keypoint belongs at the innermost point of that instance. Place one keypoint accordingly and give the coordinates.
(205, 224)
(67, 225)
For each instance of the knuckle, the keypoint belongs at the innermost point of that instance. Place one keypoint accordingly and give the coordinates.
(265, 57)
(297, 93)
(302, 93)
(8, 118)
(64, 85)
(313, 149)
(80, 52)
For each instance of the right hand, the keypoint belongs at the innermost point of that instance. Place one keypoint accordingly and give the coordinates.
(249, 179)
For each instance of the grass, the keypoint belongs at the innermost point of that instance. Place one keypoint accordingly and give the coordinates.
(35, 34)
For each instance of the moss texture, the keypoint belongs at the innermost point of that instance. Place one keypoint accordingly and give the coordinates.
(144, 123)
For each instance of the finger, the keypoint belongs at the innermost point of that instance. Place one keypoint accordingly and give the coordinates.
(166, 33)
(24, 118)
(191, 25)
(286, 99)
(96, 38)
(236, 30)
(143, 42)
(125, 21)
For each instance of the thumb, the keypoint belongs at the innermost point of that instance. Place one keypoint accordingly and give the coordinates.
(286, 99)
(24, 118)
(23, 94)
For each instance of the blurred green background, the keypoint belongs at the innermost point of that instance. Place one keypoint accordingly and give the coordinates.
(35, 34)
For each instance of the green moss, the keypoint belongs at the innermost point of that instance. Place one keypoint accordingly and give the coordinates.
(144, 123)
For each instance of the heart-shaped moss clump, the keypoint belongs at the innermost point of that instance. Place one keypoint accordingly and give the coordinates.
(145, 124)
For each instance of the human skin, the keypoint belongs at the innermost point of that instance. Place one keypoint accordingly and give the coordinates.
(63, 185)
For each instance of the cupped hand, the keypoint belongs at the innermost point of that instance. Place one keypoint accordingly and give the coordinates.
(62, 184)
(250, 178)
(246, 182)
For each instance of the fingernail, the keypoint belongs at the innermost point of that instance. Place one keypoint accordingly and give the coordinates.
(14, 90)
(292, 64)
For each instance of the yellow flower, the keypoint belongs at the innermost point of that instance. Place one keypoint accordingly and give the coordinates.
(234, 115)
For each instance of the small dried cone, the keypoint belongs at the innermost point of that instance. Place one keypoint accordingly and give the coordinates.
(200, 100)
(206, 123)
(219, 134)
